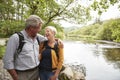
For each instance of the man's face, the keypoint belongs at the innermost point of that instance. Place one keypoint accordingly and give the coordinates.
(35, 30)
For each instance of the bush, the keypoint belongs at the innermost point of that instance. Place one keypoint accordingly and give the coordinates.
(2, 51)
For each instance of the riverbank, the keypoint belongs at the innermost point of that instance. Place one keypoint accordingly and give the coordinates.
(3, 41)
(108, 42)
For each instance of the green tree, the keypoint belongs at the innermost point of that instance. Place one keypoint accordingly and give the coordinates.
(102, 5)
(49, 10)
(115, 28)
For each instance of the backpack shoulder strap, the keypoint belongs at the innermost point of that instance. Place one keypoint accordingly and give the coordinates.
(56, 49)
(21, 42)
(38, 40)
(45, 43)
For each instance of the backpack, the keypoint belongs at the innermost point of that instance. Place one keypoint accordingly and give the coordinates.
(21, 42)
(56, 51)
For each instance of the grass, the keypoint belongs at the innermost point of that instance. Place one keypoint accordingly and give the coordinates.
(2, 51)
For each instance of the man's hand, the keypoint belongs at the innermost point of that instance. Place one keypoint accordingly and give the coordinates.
(13, 74)
(60, 42)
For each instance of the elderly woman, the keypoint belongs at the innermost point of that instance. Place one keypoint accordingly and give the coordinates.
(51, 56)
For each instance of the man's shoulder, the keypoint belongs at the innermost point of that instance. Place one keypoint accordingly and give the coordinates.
(41, 37)
(14, 35)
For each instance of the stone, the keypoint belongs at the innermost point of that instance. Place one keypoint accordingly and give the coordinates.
(73, 72)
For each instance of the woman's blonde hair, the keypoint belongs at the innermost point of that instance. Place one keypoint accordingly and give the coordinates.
(52, 29)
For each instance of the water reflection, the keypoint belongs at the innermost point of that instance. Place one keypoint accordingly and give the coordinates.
(101, 59)
(112, 55)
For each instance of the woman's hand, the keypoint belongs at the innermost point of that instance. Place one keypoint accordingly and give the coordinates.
(53, 77)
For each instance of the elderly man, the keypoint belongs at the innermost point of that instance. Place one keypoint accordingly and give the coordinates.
(24, 66)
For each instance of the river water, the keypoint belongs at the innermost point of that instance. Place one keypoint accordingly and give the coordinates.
(102, 60)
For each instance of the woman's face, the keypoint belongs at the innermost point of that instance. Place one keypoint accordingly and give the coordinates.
(49, 33)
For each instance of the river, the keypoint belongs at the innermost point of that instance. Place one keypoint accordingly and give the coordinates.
(102, 60)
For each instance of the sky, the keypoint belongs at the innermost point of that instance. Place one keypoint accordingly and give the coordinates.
(111, 13)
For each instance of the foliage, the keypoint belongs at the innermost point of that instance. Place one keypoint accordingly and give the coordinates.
(105, 32)
(6, 12)
(9, 27)
(2, 51)
(18, 11)
(108, 30)
(102, 5)
(115, 30)
(69, 10)
(86, 30)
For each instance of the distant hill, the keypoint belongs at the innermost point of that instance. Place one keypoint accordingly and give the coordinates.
(68, 29)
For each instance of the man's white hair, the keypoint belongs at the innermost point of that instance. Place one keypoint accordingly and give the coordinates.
(52, 29)
(33, 20)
